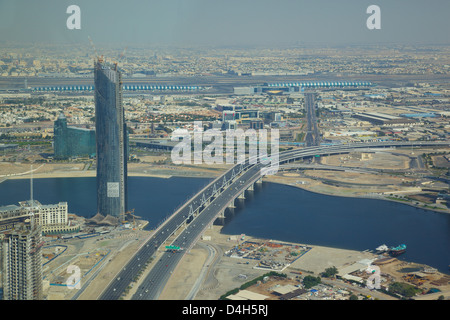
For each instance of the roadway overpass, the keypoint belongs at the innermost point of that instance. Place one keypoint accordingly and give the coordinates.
(204, 208)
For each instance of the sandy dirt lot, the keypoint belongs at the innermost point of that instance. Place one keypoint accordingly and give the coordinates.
(119, 249)
(313, 185)
(357, 178)
(376, 160)
(23, 171)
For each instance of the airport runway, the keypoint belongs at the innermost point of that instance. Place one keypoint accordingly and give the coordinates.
(220, 83)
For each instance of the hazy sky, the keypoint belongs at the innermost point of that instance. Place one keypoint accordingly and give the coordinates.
(226, 22)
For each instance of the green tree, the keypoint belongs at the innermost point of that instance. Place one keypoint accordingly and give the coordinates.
(404, 289)
(310, 281)
(330, 272)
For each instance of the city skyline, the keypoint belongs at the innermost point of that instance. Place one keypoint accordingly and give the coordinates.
(229, 23)
(95, 97)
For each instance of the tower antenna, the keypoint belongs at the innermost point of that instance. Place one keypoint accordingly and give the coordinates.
(31, 195)
(31, 184)
(122, 55)
(97, 57)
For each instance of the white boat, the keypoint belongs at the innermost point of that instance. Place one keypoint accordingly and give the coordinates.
(382, 248)
(429, 270)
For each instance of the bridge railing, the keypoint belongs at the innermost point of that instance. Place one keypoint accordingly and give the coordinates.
(236, 194)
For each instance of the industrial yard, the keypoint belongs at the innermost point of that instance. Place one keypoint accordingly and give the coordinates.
(270, 255)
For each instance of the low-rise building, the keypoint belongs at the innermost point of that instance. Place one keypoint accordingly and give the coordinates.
(52, 218)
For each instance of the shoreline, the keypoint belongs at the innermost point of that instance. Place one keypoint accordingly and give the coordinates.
(367, 251)
(361, 197)
(91, 173)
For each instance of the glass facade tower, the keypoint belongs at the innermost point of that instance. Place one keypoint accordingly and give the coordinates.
(71, 141)
(111, 141)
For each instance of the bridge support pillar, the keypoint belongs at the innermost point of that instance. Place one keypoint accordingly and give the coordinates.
(220, 219)
(251, 187)
(242, 195)
(259, 180)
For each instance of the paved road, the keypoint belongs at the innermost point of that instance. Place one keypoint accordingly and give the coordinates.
(204, 273)
(312, 137)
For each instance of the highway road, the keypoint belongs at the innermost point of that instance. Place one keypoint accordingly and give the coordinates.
(153, 284)
(123, 279)
(220, 198)
(312, 137)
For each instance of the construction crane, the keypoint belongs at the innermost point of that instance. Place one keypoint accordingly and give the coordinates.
(120, 57)
(122, 54)
(129, 213)
(93, 46)
(97, 56)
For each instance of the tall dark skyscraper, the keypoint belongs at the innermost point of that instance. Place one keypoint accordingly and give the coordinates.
(111, 140)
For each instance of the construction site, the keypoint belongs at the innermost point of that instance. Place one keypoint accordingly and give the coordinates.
(73, 261)
(421, 276)
(270, 255)
(82, 263)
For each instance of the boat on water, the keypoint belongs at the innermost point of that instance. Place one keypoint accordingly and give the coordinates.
(382, 248)
(395, 251)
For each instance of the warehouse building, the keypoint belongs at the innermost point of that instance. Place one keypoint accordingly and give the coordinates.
(383, 119)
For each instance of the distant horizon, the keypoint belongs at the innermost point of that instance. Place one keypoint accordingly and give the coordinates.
(231, 23)
(303, 45)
